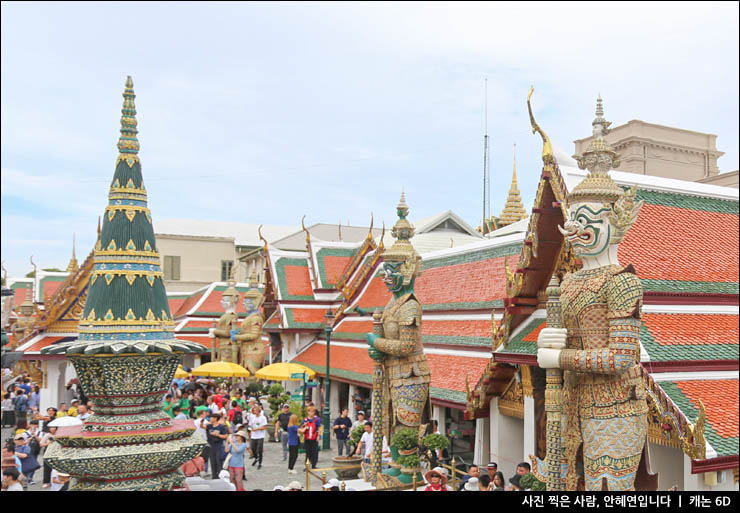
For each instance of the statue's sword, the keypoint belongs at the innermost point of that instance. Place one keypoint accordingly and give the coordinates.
(378, 421)
(554, 398)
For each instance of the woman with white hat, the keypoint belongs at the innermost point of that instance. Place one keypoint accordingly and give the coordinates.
(236, 446)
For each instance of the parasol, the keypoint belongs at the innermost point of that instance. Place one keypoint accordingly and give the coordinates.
(221, 369)
(282, 372)
(65, 421)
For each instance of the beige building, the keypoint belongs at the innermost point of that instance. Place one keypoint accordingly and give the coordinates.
(196, 253)
(658, 150)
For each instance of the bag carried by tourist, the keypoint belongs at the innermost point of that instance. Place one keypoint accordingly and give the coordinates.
(21, 403)
(238, 419)
(226, 462)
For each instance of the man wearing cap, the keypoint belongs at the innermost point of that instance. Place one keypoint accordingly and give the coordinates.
(29, 465)
(437, 478)
(282, 424)
(360, 419)
(332, 485)
(74, 403)
(516, 485)
(492, 468)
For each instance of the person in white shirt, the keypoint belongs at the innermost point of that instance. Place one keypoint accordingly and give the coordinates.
(258, 430)
(58, 480)
(366, 443)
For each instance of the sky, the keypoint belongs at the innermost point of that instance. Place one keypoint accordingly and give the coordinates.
(264, 112)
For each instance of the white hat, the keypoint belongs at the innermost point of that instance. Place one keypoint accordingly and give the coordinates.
(294, 485)
(332, 482)
(472, 485)
(278, 488)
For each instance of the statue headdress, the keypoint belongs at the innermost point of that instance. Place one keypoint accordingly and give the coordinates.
(402, 249)
(598, 187)
(231, 286)
(254, 292)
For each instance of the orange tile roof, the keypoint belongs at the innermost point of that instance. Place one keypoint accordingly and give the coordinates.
(692, 329)
(309, 315)
(456, 328)
(206, 341)
(473, 282)
(708, 243)
(376, 295)
(186, 305)
(355, 327)
(175, 304)
(335, 266)
(298, 280)
(532, 335)
(720, 398)
(42, 343)
(448, 371)
(50, 287)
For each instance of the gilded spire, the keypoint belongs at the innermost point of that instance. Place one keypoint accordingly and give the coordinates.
(128, 144)
(598, 158)
(514, 209)
(402, 250)
(73, 266)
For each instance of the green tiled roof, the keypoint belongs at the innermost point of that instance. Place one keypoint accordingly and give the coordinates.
(723, 446)
(458, 341)
(517, 345)
(498, 303)
(695, 287)
(474, 256)
(670, 199)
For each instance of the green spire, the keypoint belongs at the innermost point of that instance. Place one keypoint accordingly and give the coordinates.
(126, 300)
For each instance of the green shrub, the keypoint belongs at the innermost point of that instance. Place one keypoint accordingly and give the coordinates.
(530, 482)
(275, 390)
(405, 439)
(436, 441)
(355, 435)
(410, 461)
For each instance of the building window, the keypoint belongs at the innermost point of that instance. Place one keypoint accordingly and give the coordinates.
(171, 267)
(226, 266)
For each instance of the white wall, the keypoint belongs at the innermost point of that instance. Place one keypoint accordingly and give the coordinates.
(530, 434)
(668, 463)
(482, 456)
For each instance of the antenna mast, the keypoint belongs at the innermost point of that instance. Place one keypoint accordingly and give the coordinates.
(486, 171)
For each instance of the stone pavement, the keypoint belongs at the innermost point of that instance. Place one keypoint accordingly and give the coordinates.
(274, 471)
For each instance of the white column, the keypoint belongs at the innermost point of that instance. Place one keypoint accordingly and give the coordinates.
(316, 397)
(481, 456)
(351, 403)
(692, 482)
(334, 400)
(51, 394)
(438, 414)
(530, 434)
(493, 429)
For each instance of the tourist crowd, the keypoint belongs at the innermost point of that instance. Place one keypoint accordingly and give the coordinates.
(235, 428)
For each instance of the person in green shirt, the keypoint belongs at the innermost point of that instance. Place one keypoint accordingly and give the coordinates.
(168, 404)
(239, 398)
(184, 403)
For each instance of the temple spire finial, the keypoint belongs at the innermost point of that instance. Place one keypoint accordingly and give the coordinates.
(514, 208)
(128, 144)
(73, 266)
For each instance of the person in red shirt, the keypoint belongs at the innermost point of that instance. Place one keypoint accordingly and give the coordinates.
(310, 430)
(218, 398)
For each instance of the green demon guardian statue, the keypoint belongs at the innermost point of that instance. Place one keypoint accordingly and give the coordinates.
(399, 346)
(598, 348)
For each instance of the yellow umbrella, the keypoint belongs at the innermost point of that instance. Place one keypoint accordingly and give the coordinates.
(282, 371)
(221, 369)
(180, 373)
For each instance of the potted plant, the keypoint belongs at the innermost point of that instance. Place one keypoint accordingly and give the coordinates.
(350, 460)
(409, 463)
(406, 441)
(436, 442)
